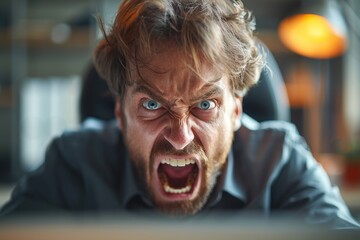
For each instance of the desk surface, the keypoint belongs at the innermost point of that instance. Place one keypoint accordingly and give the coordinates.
(213, 229)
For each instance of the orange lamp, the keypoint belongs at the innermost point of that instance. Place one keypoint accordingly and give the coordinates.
(321, 34)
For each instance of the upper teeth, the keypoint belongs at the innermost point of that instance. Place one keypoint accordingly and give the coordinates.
(178, 162)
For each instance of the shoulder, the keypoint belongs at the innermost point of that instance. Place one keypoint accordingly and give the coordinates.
(91, 143)
(263, 152)
(93, 131)
(251, 127)
(79, 166)
(280, 143)
(269, 137)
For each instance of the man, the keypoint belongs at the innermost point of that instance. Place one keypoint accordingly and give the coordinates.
(179, 71)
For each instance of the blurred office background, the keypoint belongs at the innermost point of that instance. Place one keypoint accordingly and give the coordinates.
(46, 46)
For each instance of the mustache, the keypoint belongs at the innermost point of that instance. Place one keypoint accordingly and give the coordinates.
(165, 147)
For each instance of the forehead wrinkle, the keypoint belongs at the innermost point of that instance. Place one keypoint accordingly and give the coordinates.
(151, 92)
(209, 90)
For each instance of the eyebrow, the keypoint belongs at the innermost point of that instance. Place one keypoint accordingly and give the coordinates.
(212, 91)
(144, 88)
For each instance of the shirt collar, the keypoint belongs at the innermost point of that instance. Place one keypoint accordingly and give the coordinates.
(231, 184)
(131, 188)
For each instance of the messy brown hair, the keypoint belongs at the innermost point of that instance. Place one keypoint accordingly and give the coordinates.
(221, 32)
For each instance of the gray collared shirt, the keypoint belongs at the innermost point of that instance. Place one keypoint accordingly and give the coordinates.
(269, 170)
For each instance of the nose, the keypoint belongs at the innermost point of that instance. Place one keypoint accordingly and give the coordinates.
(179, 133)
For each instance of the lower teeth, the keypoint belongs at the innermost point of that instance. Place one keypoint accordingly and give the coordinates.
(169, 189)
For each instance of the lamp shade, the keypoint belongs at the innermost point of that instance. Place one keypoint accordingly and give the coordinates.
(319, 31)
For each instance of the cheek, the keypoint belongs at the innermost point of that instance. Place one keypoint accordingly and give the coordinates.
(142, 134)
(213, 135)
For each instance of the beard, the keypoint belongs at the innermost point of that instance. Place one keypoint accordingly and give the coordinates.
(212, 168)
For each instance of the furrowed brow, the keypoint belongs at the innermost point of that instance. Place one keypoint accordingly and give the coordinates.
(148, 91)
(212, 91)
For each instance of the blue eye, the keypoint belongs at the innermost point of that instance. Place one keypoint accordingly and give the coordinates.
(206, 105)
(151, 105)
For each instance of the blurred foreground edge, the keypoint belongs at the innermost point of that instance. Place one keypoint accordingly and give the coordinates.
(132, 227)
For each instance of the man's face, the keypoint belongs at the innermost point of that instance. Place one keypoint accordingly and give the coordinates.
(178, 127)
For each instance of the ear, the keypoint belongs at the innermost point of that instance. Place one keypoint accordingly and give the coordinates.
(118, 113)
(237, 112)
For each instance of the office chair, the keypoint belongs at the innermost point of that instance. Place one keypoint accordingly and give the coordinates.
(265, 101)
(268, 99)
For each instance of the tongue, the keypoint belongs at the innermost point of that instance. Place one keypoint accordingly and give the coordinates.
(177, 172)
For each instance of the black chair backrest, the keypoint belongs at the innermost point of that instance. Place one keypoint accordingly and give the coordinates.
(268, 100)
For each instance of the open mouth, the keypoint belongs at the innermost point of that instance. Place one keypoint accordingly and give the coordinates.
(178, 176)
